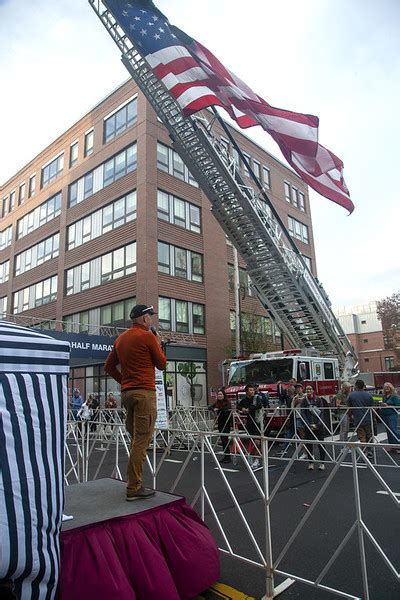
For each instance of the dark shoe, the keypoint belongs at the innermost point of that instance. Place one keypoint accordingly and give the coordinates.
(141, 494)
(226, 459)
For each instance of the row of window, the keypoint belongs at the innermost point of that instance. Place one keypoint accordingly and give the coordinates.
(38, 254)
(105, 219)
(181, 316)
(178, 211)
(298, 230)
(261, 171)
(113, 125)
(35, 295)
(294, 196)
(91, 321)
(179, 262)
(174, 315)
(103, 175)
(121, 211)
(39, 216)
(52, 170)
(169, 161)
(110, 266)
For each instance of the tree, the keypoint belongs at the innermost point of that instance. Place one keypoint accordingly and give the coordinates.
(188, 370)
(388, 311)
(255, 335)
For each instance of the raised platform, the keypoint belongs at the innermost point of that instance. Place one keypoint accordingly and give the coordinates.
(143, 550)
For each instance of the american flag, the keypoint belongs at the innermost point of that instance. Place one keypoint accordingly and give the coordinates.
(197, 80)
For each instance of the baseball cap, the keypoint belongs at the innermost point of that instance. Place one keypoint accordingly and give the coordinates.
(141, 309)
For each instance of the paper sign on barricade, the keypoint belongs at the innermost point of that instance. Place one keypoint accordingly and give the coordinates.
(162, 415)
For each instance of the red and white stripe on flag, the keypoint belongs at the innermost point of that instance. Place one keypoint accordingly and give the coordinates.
(197, 79)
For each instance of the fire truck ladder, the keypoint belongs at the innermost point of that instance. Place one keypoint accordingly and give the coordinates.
(279, 275)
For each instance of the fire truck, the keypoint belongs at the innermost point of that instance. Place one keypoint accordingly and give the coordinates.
(292, 297)
(267, 369)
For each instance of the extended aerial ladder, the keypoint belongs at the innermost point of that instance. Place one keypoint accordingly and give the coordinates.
(284, 285)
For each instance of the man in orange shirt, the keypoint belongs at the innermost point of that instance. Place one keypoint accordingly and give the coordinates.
(137, 351)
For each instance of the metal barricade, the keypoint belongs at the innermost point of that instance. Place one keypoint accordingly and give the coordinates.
(203, 480)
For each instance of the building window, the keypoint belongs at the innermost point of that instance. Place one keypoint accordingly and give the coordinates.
(198, 318)
(169, 161)
(98, 320)
(38, 294)
(5, 237)
(287, 192)
(21, 194)
(178, 211)
(38, 254)
(266, 177)
(164, 262)
(102, 176)
(120, 165)
(39, 216)
(389, 363)
(120, 120)
(32, 185)
(4, 207)
(73, 154)
(244, 281)
(106, 219)
(89, 139)
(3, 307)
(4, 271)
(181, 316)
(366, 360)
(53, 170)
(245, 169)
(179, 262)
(11, 204)
(110, 266)
(298, 230)
(164, 313)
(294, 196)
(257, 169)
(364, 322)
(365, 340)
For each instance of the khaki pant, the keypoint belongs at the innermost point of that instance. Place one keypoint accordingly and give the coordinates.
(141, 412)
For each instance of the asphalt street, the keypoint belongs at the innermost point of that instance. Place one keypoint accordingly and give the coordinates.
(328, 524)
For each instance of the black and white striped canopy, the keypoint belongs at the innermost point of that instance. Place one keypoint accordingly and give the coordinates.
(33, 402)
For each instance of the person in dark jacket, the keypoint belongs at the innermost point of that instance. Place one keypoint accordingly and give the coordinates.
(390, 406)
(361, 403)
(316, 417)
(222, 408)
(251, 406)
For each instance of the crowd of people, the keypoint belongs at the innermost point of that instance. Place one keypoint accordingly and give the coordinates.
(87, 410)
(309, 417)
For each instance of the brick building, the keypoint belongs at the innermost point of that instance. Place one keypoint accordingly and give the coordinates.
(107, 215)
(364, 330)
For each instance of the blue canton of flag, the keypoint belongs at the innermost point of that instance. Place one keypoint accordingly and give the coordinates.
(147, 30)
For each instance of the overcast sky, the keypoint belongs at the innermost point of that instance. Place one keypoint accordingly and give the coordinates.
(338, 59)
